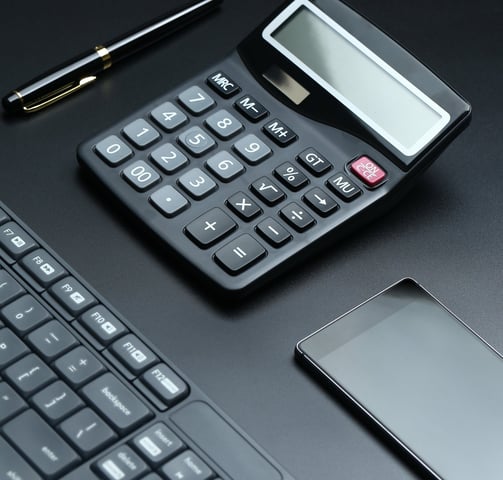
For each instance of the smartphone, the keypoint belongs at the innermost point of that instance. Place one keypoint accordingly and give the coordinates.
(422, 375)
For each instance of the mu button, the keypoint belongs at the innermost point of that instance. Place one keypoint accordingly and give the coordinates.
(240, 254)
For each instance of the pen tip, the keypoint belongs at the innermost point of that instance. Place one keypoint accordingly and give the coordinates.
(12, 102)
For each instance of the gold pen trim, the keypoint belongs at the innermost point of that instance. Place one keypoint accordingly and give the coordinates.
(55, 96)
(105, 56)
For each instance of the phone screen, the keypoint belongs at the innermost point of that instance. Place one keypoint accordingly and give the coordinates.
(423, 375)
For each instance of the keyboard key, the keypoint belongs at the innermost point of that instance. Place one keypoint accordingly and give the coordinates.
(15, 241)
(320, 201)
(252, 149)
(223, 124)
(169, 201)
(158, 444)
(224, 166)
(56, 402)
(188, 466)
(166, 384)
(133, 353)
(51, 340)
(11, 347)
(196, 141)
(13, 466)
(86, 432)
(291, 176)
(275, 234)
(243, 206)
(343, 187)
(197, 184)
(116, 403)
(9, 288)
(24, 314)
(122, 464)
(210, 227)
(29, 375)
(240, 254)
(40, 444)
(168, 158)
(251, 109)
(168, 116)
(196, 100)
(43, 267)
(314, 161)
(102, 324)
(78, 366)
(113, 150)
(223, 84)
(10, 403)
(267, 191)
(3, 217)
(140, 133)
(72, 295)
(279, 133)
(140, 176)
(297, 217)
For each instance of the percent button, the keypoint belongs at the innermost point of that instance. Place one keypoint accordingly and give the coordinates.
(291, 176)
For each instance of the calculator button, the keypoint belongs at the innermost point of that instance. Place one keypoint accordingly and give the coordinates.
(223, 84)
(252, 149)
(280, 133)
(196, 100)
(168, 158)
(140, 175)
(196, 141)
(197, 184)
(140, 133)
(210, 227)
(224, 166)
(251, 109)
(321, 202)
(341, 185)
(168, 201)
(223, 124)
(273, 232)
(243, 206)
(113, 150)
(314, 161)
(240, 254)
(368, 171)
(291, 176)
(267, 191)
(168, 116)
(42, 267)
(297, 217)
(15, 240)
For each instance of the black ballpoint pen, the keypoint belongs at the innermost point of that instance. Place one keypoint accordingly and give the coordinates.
(80, 71)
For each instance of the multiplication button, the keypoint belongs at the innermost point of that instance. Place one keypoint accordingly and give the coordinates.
(240, 254)
(210, 227)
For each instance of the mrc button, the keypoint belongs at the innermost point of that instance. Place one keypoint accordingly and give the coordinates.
(368, 171)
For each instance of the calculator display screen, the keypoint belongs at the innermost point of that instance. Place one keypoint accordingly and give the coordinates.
(381, 97)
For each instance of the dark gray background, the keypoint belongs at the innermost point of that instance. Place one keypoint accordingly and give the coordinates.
(446, 233)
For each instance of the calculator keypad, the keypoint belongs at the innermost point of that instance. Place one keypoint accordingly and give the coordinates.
(233, 162)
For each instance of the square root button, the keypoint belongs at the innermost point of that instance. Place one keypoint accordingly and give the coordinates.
(368, 171)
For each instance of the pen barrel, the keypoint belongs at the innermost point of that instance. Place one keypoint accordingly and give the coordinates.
(54, 81)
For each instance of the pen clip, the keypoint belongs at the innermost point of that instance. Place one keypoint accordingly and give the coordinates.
(58, 94)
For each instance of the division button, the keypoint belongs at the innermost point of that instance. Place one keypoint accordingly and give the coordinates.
(169, 201)
(113, 150)
(279, 133)
(297, 217)
(210, 227)
(243, 206)
(168, 116)
(240, 254)
(273, 232)
(223, 84)
(368, 171)
(166, 384)
(343, 187)
(320, 201)
(196, 100)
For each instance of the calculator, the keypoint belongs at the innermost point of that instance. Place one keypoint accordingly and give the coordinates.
(315, 124)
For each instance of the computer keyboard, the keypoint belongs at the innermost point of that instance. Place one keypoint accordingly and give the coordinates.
(83, 395)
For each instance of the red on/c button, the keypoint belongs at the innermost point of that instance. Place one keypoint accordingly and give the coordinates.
(368, 171)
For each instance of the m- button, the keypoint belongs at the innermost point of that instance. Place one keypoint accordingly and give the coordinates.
(210, 227)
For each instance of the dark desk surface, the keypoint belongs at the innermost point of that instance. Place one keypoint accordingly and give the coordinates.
(446, 233)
